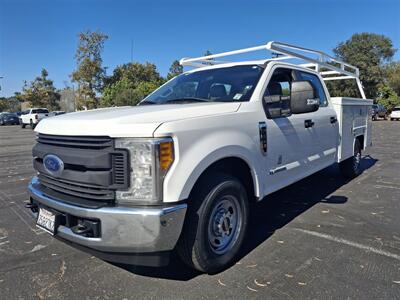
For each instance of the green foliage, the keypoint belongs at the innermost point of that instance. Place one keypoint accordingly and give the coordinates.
(40, 92)
(369, 52)
(388, 97)
(3, 104)
(175, 69)
(130, 83)
(89, 74)
(392, 72)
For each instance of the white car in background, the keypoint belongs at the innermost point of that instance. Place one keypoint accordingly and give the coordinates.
(395, 114)
(33, 117)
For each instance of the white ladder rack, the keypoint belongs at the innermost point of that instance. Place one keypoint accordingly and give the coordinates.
(321, 62)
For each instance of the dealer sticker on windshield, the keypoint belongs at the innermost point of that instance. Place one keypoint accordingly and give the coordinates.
(46, 220)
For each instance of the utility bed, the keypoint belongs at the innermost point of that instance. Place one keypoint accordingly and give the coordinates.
(354, 118)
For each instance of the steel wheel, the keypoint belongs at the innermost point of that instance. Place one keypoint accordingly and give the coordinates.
(224, 224)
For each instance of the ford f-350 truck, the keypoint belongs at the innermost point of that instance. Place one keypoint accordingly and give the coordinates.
(179, 170)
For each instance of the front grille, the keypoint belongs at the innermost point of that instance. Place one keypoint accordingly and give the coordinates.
(84, 142)
(93, 169)
(76, 189)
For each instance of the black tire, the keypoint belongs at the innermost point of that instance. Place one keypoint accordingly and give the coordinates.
(199, 246)
(351, 167)
(22, 125)
(32, 125)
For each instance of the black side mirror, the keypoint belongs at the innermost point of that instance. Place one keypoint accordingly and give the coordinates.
(302, 97)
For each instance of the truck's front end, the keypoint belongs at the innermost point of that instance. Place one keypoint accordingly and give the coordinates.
(105, 194)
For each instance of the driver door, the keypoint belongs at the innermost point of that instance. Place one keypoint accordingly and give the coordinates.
(290, 141)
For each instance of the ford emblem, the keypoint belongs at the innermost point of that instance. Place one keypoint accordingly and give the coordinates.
(53, 164)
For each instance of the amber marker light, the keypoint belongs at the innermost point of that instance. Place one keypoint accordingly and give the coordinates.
(166, 155)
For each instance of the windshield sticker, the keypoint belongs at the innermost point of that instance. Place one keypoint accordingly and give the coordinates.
(237, 96)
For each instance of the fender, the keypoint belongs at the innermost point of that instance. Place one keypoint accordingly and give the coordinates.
(193, 155)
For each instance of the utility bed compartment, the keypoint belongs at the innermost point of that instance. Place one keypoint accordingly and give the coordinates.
(354, 118)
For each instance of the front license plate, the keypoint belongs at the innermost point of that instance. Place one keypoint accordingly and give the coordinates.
(46, 220)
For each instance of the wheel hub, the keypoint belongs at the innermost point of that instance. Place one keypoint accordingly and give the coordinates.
(225, 220)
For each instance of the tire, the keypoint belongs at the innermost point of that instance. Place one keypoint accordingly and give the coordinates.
(22, 125)
(32, 125)
(351, 168)
(215, 223)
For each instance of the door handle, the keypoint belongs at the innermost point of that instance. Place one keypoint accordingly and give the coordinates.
(333, 120)
(308, 123)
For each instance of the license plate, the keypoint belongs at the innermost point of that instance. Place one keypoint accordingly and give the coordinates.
(46, 220)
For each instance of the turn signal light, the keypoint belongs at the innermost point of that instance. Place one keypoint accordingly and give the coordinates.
(166, 155)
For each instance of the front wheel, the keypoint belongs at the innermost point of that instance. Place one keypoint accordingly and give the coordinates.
(215, 224)
(351, 167)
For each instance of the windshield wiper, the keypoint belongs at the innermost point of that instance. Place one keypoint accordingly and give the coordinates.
(147, 103)
(187, 100)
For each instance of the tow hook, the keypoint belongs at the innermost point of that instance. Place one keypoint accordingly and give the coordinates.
(33, 207)
(86, 228)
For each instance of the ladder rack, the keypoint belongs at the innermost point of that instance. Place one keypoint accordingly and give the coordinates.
(327, 66)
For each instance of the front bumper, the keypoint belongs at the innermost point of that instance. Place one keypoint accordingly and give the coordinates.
(123, 229)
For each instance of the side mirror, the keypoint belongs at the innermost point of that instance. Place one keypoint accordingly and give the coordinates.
(302, 97)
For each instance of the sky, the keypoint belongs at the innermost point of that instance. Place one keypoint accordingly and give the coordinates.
(43, 33)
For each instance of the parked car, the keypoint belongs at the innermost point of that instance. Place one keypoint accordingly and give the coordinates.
(180, 170)
(7, 118)
(378, 111)
(395, 114)
(33, 116)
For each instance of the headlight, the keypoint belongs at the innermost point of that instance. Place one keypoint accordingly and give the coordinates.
(150, 160)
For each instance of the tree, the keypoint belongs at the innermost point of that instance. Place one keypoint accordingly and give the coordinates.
(40, 92)
(130, 83)
(392, 72)
(3, 104)
(387, 97)
(89, 74)
(175, 69)
(369, 52)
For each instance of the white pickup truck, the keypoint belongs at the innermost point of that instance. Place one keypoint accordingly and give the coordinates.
(178, 171)
(33, 116)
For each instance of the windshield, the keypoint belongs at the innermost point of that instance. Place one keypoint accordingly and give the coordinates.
(396, 109)
(9, 115)
(214, 85)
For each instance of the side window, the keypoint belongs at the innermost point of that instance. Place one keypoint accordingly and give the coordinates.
(276, 98)
(317, 85)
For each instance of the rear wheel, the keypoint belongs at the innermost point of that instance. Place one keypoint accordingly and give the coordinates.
(215, 224)
(351, 167)
(23, 125)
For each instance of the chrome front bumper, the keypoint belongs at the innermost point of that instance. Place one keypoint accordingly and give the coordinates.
(123, 229)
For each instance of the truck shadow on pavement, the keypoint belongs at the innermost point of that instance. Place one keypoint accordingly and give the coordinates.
(269, 215)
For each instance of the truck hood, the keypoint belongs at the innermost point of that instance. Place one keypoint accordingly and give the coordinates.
(130, 121)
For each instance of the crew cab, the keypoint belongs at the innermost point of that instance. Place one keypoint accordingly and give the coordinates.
(33, 116)
(178, 171)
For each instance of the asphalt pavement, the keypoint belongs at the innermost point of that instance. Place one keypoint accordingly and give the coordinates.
(322, 237)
